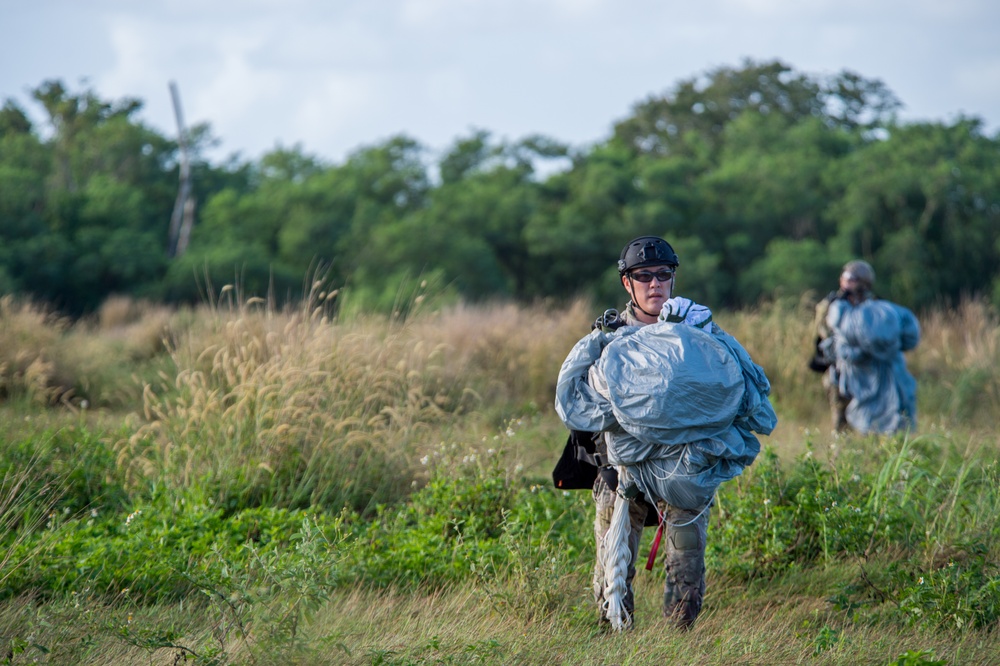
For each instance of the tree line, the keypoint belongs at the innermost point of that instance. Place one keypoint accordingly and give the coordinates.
(765, 179)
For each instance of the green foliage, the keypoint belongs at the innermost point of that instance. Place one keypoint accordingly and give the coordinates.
(915, 658)
(437, 537)
(270, 591)
(471, 520)
(544, 539)
(825, 639)
(73, 465)
(791, 267)
(958, 594)
(152, 553)
(766, 178)
(959, 590)
(772, 520)
(95, 227)
(914, 200)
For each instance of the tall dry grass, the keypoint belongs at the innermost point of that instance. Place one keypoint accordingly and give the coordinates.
(47, 359)
(506, 352)
(29, 336)
(297, 408)
(141, 329)
(957, 364)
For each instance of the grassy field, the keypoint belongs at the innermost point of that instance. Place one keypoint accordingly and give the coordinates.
(238, 485)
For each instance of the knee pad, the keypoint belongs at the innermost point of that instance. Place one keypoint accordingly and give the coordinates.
(684, 538)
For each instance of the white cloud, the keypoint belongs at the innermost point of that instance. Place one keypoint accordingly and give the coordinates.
(237, 86)
(332, 107)
(339, 75)
(980, 82)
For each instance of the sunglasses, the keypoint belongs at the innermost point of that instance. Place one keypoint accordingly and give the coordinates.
(645, 276)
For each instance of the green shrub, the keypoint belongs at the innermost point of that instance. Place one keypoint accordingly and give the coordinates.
(152, 552)
(73, 463)
(772, 519)
(470, 517)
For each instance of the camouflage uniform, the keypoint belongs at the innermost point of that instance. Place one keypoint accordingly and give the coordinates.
(682, 548)
(831, 381)
(838, 403)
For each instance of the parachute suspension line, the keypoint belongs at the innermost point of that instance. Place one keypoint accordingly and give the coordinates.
(657, 471)
(648, 490)
(616, 559)
(652, 468)
(693, 520)
(639, 307)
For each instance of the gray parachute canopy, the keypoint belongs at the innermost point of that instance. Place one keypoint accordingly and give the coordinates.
(867, 348)
(678, 406)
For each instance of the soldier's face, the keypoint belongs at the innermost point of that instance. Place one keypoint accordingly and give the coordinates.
(651, 295)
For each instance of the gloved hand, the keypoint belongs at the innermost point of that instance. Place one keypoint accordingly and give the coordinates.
(608, 322)
(680, 310)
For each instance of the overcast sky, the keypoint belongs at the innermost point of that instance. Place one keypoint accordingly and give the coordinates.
(336, 75)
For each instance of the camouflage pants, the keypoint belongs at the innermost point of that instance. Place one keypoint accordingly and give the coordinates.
(682, 549)
(838, 403)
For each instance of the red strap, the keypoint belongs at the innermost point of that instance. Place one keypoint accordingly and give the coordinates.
(656, 545)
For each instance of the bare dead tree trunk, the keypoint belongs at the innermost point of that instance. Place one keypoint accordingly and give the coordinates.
(185, 235)
(183, 216)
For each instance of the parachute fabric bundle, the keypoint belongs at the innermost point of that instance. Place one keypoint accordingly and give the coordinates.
(678, 406)
(867, 347)
(678, 402)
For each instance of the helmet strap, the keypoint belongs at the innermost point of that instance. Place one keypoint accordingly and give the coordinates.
(639, 307)
(654, 315)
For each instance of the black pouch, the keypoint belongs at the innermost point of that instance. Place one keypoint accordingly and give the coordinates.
(818, 362)
(577, 467)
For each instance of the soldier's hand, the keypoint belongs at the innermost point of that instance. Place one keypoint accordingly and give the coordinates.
(608, 322)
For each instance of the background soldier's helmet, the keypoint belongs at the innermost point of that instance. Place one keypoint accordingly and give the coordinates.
(646, 251)
(862, 270)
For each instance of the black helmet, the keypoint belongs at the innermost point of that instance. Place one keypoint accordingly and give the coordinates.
(861, 270)
(646, 251)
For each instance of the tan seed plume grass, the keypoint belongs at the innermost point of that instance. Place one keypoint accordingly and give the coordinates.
(28, 335)
(509, 352)
(330, 413)
(957, 361)
(298, 408)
